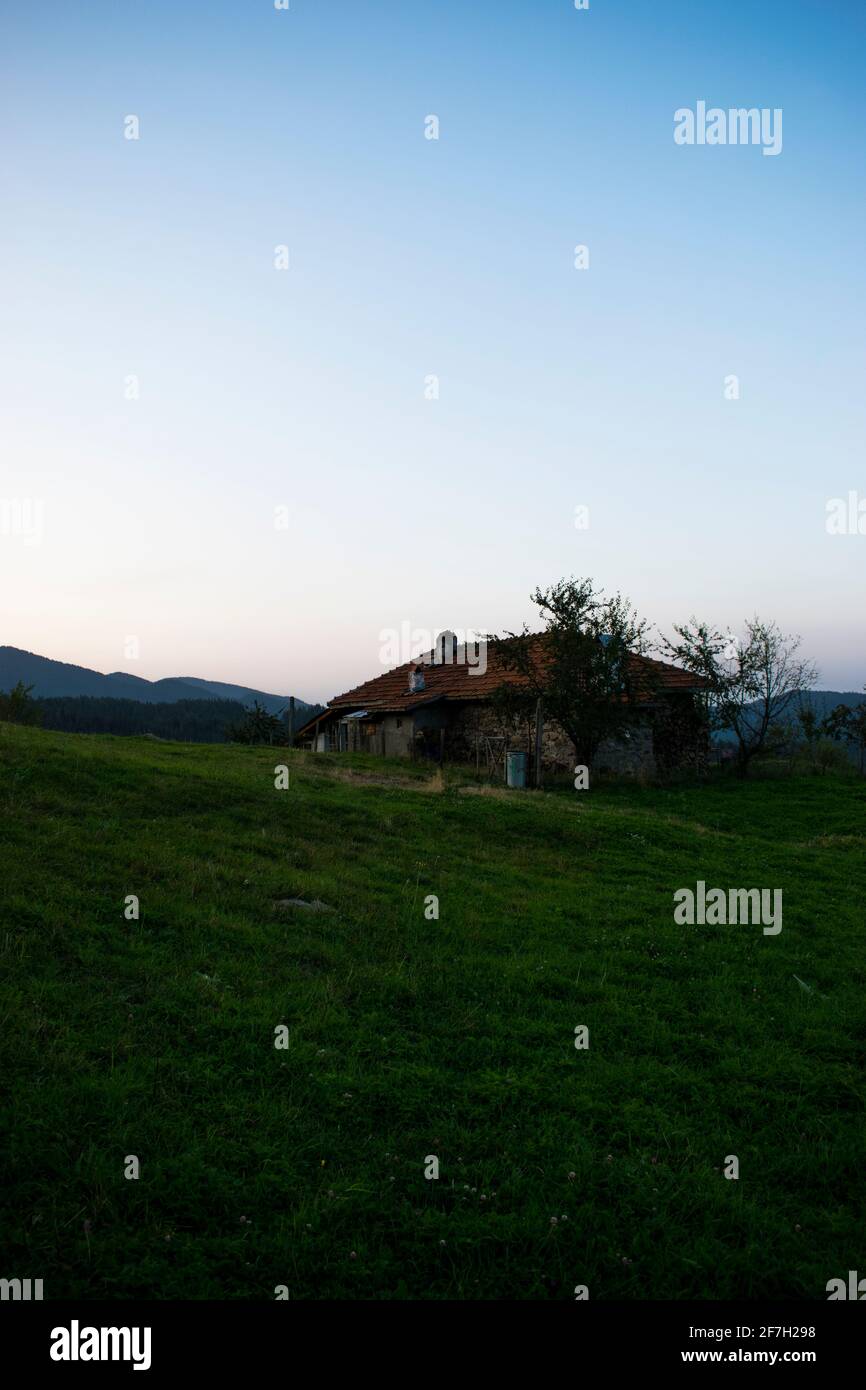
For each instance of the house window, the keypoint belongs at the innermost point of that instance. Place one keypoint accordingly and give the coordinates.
(399, 723)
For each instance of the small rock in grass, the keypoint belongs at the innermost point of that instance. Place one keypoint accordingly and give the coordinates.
(315, 906)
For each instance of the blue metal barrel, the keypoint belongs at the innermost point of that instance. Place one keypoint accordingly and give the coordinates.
(515, 769)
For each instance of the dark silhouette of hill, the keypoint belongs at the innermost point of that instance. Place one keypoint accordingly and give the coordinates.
(59, 678)
(821, 701)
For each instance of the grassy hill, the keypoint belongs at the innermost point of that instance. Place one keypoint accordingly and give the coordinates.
(410, 1037)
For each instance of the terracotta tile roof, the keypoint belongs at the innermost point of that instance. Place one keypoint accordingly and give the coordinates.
(389, 693)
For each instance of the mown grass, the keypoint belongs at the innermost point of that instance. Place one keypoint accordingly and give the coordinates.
(410, 1037)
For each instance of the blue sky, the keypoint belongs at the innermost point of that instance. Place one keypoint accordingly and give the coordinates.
(409, 257)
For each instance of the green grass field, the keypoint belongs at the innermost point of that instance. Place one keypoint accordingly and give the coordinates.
(411, 1037)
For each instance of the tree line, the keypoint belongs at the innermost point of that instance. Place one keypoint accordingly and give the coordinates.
(187, 721)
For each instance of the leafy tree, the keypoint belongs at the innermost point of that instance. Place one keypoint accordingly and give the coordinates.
(581, 667)
(849, 724)
(750, 684)
(258, 726)
(513, 705)
(810, 731)
(18, 707)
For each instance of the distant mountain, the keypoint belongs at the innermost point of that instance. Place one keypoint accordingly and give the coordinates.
(57, 678)
(821, 701)
(218, 690)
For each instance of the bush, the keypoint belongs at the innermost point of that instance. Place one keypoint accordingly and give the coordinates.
(17, 706)
(821, 756)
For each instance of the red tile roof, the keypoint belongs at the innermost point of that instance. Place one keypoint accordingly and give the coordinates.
(389, 693)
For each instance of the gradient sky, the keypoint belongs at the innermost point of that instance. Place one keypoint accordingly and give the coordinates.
(410, 257)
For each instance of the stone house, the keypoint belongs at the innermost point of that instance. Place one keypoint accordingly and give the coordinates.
(440, 706)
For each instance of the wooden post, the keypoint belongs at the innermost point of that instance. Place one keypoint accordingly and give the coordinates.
(539, 729)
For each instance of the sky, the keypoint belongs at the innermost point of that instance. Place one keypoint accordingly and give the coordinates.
(257, 473)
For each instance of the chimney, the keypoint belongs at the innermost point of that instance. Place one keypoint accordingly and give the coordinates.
(445, 650)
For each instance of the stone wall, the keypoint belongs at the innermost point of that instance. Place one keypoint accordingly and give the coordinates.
(681, 736)
(672, 736)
